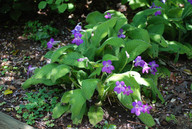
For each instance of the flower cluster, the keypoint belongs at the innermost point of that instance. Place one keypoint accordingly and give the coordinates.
(139, 62)
(157, 12)
(76, 32)
(190, 1)
(108, 16)
(121, 35)
(107, 67)
(121, 87)
(138, 107)
(51, 43)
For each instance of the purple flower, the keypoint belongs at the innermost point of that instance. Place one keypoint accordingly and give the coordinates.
(107, 67)
(82, 59)
(121, 35)
(163, 1)
(77, 40)
(158, 13)
(139, 61)
(146, 108)
(51, 43)
(152, 6)
(153, 67)
(77, 29)
(190, 1)
(30, 70)
(146, 68)
(137, 108)
(120, 87)
(127, 90)
(108, 16)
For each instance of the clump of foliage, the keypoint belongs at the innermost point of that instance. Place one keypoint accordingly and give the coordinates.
(109, 58)
(39, 32)
(57, 5)
(38, 104)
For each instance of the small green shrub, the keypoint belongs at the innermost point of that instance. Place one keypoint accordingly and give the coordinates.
(38, 104)
(38, 32)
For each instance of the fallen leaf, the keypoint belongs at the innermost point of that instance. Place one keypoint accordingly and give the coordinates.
(12, 88)
(8, 91)
(187, 71)
(172, 77)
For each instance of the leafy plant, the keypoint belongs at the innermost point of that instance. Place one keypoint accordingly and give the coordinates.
(109, 126)
(171, 118)
(60, 5)
(38, 32)
(94, 66)
(37, 104)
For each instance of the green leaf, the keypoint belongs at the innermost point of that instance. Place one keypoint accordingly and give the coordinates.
(156, 28)
(77, 101)
(141, 17)
(59, 71)
(96, 72)
(66, 96)
(158, 39)
(125, 100)
(88, 87)
(113, 41)
(34, 81)
(101, 31)
(95, 17)
(58, 1)
(154, 50)
(70, 6)
(59, 52)
(42, 4)
(71, 60)
(137, 3)
(139, 33)
(49, 1)
(78, 118)
(147, 119)
(187, 11)
(59, 109)
(62, 8)
(107, 57)
(45, 71)
(48, 54)
(95, 115)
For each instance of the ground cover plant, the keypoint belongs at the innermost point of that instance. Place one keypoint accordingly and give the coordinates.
(109, 57)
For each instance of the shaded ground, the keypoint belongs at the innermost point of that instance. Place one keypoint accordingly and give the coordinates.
(17, 53)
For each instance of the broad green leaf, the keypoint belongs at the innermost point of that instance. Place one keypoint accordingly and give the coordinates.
(157, 20)
(175, 12)
(42, 4)
(125, 100)
(158, 39)
(141, 17)
(59, 71)
(59, 109)
(77, 101)
(153, 52)
(34, 81)
(94, 18)
(88, 87)
(156, 28)
(49, 1)
(58, 1)
(62, 8)
(174, 47)
(101, 31)
(59, 52)
(78, 118)
(113, 41)
(137, 3)
(95, 115)
(71, 60)
(48, 54)
(139, 33)
(134, 48)
(45, 71)
(107, 57)
(188, 26)
(80, 75)
(66, 96)
(147, 119)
